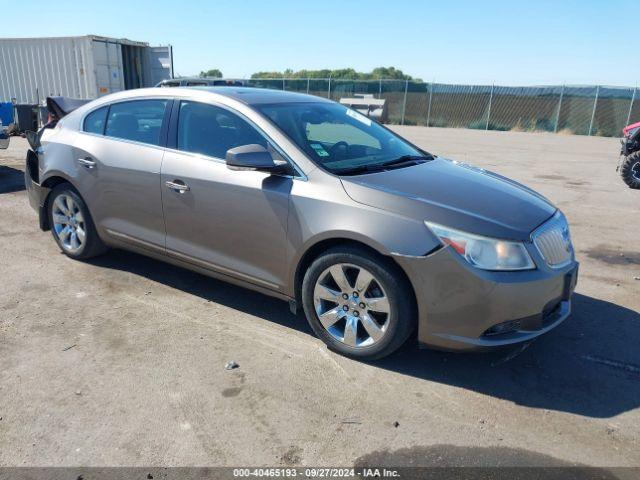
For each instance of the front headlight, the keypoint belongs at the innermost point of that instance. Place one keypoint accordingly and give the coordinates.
(485, 252)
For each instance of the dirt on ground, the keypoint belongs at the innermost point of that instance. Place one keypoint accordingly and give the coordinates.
(121, 360)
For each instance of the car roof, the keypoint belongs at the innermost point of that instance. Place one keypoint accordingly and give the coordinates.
(191, 79)
(199, 79)
(245, 95)
(260, 96)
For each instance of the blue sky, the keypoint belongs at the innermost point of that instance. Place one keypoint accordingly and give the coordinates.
(506, 42)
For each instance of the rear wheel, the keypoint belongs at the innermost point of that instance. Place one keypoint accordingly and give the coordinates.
(630, 170)
(71, 224)
(359, 304)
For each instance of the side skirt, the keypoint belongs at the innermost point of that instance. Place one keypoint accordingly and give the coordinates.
(118, 240)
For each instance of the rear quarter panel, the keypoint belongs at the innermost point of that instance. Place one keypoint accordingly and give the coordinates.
(56, 157)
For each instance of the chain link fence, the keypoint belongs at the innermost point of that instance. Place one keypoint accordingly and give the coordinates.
(579, 110)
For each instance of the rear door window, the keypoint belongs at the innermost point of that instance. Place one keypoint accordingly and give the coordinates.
(138, 120)
(94, 122)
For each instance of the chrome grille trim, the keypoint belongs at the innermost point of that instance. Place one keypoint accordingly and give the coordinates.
(553, 241)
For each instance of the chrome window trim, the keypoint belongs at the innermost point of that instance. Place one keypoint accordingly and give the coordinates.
(207, 158)
(301, 175)
(123, 140)
(121, 100)
(108, 107)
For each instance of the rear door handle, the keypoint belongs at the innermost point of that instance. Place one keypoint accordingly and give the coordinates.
(87, 162)
(177, 185)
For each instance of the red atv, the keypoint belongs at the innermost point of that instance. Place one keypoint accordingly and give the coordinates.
(629, 166)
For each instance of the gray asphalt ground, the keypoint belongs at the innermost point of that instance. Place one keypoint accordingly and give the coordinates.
(120, 361)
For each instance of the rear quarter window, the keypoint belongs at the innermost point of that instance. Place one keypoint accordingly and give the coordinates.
(94, 122)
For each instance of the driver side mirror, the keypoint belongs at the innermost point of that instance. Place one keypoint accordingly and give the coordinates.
(252, 157)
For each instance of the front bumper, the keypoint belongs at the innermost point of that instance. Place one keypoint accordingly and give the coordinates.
(460, 306)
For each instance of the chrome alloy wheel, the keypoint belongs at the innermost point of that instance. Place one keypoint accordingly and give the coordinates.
(351, 305)
(68, 223)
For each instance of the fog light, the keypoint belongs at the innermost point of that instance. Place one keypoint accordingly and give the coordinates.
(504, 327)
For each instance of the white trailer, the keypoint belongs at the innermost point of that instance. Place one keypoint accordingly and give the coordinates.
(32, 69)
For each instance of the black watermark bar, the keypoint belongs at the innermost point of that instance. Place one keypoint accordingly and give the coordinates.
(223, 473)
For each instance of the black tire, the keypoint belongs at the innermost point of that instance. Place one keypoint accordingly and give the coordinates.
(92, 245)
(402, 318)
(630, 170)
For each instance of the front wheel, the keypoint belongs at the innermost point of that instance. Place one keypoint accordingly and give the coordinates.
(359, 304)
(630, 170)
(71, 224)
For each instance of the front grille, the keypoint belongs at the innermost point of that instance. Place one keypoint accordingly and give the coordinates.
(553, 241)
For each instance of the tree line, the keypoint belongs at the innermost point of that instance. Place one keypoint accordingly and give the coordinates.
(340, 73)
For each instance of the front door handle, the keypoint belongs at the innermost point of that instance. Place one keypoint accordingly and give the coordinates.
(177, 185)
(87, 162)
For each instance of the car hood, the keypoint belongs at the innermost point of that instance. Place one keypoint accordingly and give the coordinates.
(456, 195)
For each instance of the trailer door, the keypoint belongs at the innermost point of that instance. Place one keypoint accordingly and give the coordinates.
(161, 63)
(108, 65)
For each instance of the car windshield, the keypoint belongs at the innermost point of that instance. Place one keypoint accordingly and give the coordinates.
(341, 140)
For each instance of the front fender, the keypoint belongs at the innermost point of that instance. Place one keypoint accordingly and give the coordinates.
(316, 215)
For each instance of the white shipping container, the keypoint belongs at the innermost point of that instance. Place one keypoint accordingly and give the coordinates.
(32, 69)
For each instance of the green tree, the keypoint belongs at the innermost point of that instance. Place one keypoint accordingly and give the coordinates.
(213, 73)
(341, 73)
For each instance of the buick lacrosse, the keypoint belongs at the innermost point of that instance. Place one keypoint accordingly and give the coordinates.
(298, 197)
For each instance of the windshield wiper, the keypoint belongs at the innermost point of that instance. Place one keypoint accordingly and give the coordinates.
(376, 167)
(405, 159)
(355, 170)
